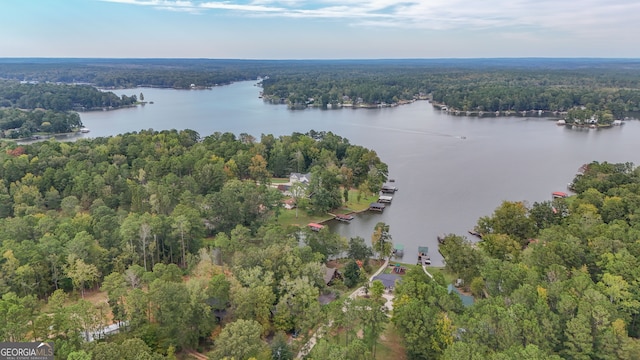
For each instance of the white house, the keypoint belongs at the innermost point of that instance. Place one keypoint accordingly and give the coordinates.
(297, 177)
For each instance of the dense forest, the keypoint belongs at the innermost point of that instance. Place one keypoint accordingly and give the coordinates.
(558, 279)
(136, 213)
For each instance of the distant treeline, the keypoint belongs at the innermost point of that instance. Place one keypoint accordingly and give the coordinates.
(464, 89)
(59, 97)
(127, 73)
(611, 85)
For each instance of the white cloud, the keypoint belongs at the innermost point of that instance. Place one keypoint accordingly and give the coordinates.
(598, 18)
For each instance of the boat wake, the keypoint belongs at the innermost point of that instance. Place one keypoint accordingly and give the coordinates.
(409, 131)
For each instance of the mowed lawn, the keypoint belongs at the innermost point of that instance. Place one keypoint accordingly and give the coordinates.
(289, 217)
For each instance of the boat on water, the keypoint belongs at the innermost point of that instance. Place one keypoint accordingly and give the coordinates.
(84, 130)
(344, 217)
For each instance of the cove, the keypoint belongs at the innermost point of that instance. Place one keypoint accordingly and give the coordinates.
(450, 170)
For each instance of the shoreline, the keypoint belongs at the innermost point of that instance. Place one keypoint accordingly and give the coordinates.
(44, 137)
(339, 106)
(481, 113)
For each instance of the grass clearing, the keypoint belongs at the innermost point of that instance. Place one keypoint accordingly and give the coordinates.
(390, 345)
(392, 264)
(288, 217)
(279, 180)
(301, 218)
(363, 204)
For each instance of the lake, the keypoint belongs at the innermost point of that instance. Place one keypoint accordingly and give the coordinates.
(450, 170)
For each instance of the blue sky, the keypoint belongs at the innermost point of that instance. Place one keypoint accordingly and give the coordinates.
(320, 29)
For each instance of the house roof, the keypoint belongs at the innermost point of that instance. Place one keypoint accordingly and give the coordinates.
(329, 274)
(300, 176)
(388, 280)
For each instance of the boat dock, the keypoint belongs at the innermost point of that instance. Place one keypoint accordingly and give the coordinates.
(344, 217)
(398, 250)
(388, 189)
(423, 256)
(559, 195)
(315, 227)
(385, 199)
(377, 207)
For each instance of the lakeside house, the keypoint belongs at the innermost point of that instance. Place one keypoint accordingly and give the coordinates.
(331, 274)
(388, 280)
(298, 177)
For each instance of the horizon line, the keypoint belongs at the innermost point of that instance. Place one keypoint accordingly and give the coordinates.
(324, 59)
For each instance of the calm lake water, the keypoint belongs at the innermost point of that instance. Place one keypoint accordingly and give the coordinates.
(450, 170)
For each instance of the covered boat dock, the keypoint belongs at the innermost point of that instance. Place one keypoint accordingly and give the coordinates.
(376, 206)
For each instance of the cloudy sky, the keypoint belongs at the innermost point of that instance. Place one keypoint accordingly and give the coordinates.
(320, 29)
